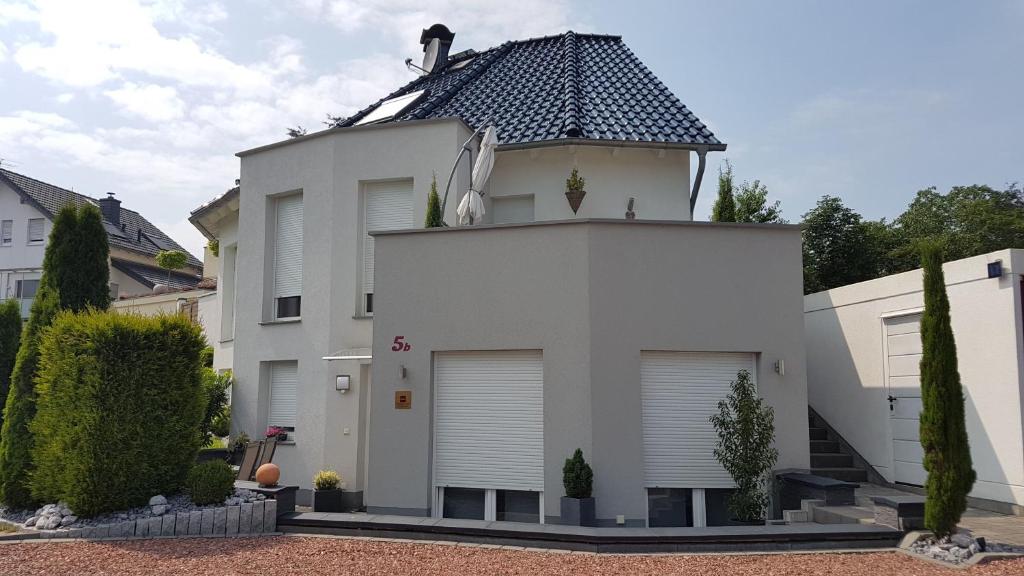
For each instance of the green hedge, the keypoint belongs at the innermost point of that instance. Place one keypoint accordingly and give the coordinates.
(120, 401)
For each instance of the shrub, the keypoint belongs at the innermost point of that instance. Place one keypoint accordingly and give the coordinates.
(326, 480)
(947, 454)
(221, 426)
(215, 392)
(746, 432)
(120, 402)
(210, 482)
(10, 335)
(577, 476)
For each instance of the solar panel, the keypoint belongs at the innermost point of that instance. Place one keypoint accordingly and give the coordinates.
(388, 109)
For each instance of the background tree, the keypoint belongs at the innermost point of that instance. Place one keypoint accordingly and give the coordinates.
(746, 434)
(838, 247)
(724, 209)
(752, 205)
(70, 281)
(947, 455)
(171, 260)
(434, 217)
(10, 333)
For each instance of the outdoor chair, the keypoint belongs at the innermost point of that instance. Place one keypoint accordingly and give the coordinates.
(267, 455)
(251, 456)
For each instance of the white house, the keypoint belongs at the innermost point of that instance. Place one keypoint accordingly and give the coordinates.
(27, 209)
(863, 352)
(614, 325)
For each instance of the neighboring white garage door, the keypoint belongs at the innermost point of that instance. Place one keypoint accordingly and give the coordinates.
(489, 420)
(680, 391)
(903, 372)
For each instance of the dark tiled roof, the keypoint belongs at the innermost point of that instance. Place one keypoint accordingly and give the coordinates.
(150, 276)
(138, 235)
(557, 87)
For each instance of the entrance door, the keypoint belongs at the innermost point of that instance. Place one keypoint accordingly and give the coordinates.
(903, 375)
(489, 435)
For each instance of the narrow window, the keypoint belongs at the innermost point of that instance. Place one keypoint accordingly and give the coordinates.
(35, 230)
(6, 232)
(288, 257)
(284, 379)
(387, 206)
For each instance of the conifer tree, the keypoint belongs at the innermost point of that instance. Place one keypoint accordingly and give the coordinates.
(434, 217)
(947, 455)
(724, 209)
(10, 334)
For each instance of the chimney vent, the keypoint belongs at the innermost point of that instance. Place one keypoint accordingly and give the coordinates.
(111, 209)
(436, 41)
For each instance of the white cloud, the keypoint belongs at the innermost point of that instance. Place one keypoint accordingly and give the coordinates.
(150, 102)
(16, 12)
(65, 98)
(3, 51)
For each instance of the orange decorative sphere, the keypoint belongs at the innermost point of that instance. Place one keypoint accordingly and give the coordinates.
(268, 475)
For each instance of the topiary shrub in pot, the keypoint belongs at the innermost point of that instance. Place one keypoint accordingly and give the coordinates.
(210, 482)
(328, 495)
(577, 506)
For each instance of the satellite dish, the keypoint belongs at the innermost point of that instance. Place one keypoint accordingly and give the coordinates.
(430, 52)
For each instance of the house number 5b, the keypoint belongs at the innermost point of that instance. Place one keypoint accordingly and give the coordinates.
(400, 345)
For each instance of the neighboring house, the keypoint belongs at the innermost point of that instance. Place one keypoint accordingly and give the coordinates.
(863, 356)
(408, 359)
(27, 209)
(218, 220)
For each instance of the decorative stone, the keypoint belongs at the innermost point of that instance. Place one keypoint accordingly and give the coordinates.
(220, 520)
(268, 474)
(962, 540)
(270, 516)
(232, 520)
(51, 523)
(158, 500)
(258, 510)
(167, 525)
(159, 509)
(31, 521)
(101, 531)
(195, 521)
(181, 524)
(207, 525)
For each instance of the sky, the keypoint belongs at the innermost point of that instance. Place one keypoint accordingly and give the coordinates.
(869, 100)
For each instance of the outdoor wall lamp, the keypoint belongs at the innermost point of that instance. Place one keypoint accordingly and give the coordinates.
(342, 383)
(780, 367)
(995, 269)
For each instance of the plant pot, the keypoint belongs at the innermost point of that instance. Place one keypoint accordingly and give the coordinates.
(329, 501)
(578, 511)
(575, 198)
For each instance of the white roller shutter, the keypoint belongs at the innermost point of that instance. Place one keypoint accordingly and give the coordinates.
(284, 380)
(288, 247)
(680, 391)
(489, 420)
(388, 207)
(36, 229)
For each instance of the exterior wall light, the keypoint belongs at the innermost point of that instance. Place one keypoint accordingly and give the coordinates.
(342, 383)
(995, 269)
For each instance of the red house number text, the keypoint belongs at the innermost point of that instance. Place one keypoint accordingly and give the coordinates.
(400, 345)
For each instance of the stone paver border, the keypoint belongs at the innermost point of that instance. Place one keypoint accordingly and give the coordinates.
(260, 519)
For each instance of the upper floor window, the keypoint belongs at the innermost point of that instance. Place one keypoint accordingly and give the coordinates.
(386, 206)
(6, 232)
(512, 209)
(35, 230)
(288, 256)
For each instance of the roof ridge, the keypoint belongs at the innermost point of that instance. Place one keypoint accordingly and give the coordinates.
(567, 32)
(570, 114)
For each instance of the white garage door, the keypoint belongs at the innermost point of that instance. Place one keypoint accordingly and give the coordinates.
(680, 391)
(903, 365)
(489, 420)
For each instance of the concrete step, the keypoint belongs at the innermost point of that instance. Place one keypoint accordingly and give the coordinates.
(817, 433)
(809, 505)
(824, 446)
(843, 515)
(795, 516)
(844, 474)
(833, 460)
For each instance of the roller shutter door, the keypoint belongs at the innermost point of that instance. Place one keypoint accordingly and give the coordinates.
(489, 420)
(680, 391)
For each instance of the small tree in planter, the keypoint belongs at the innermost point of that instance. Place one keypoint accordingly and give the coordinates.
(574, 191)
(577, 506)
(328, 495)
(171, 260)
(746, 432)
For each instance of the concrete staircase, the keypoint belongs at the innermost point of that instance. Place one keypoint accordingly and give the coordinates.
(828, 457)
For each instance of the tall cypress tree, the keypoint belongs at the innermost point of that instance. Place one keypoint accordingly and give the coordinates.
(434, 218)
(947, 454)
(71, 280)
(724, 209)
(10, 334)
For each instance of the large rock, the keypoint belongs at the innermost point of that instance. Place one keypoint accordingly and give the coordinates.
(962, 540)
(68, 520)
(159, 509)
(51, 523)
(31, 521)
(158, 500)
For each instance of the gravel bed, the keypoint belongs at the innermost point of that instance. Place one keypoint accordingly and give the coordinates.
(302, 556)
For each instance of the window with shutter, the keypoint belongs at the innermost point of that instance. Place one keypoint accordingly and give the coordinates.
(288, 257)
(387, 206)
(35, 230)
(6, 232)
(284, 380)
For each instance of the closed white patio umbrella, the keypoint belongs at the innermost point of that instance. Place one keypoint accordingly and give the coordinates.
(471, 208)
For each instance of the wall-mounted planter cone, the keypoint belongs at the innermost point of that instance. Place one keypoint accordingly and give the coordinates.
(575, 198)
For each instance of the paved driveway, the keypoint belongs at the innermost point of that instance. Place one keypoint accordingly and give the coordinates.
(282, 556)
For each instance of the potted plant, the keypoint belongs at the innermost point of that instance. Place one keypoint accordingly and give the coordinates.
(328, 495)
(746, 437)
(277, 432)
(237, 447)
(574, 191)
(577, 505)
